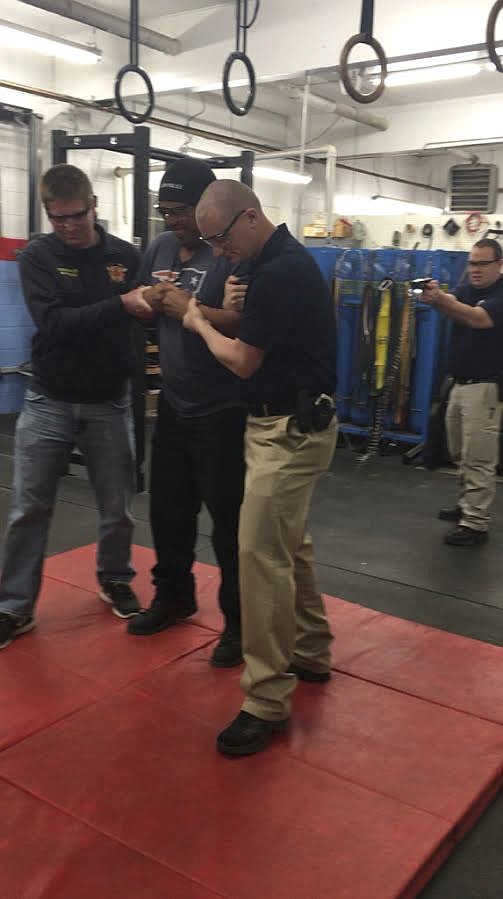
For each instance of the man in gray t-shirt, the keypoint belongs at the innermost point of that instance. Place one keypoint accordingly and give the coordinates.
(197, 451)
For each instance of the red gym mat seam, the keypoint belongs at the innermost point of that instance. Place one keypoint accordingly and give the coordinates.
(109, 836)
(47, 726)
(442, 705)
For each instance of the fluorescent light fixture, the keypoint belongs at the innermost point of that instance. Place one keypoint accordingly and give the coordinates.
(263, 172)
(20, 38)
(268, 174)
(429, 62)
(430, 75)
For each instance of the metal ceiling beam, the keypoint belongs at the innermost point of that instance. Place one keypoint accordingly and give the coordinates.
(79, 12)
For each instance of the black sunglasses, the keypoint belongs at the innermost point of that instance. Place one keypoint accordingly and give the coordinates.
(174, 212)
(70, 217)
(220, 236)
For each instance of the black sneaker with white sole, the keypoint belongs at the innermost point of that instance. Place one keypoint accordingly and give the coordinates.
(11, 627)
(122, 599)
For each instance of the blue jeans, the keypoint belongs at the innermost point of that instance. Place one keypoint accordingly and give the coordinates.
(47, 432)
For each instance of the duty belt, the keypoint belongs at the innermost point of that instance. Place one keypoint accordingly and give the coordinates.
(464, 381)
(263, 410)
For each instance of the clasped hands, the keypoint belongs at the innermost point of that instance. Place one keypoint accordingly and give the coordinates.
(167, 298)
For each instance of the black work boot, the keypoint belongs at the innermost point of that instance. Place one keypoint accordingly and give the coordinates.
(228, 651)
(165, 610)
(454, 514)
(248, 734)
(464, 536)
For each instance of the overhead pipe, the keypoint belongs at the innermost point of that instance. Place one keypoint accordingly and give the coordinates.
(233, 140)
(327, 153)
(302, 154)
(362, 116)
(86, 15)
(318, 154)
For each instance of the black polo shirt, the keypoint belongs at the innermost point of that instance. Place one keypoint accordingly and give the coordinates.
(289, 313)
(478, 352)
(82, 350)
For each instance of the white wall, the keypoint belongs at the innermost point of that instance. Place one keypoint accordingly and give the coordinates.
(13, 181)
(280, 201)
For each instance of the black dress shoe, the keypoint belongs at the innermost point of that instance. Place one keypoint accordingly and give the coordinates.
(227, 652)
(463, 536)
(248, 734)
(313, 677)
(160, 616)
(450, 514)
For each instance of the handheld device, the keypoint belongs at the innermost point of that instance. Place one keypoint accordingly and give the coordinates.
(418, 284)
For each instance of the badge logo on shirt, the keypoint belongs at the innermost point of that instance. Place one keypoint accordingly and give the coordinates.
(68, 272)
(117, 272)
(193, 280)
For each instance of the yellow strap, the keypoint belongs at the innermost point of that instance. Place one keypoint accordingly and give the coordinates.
(383, 325)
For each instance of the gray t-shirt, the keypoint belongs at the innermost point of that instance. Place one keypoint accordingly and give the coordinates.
(193, 382)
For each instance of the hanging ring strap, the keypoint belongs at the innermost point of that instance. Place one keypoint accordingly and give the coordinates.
(135, 117)
(364, 37)
(491, 35)
(240, 55)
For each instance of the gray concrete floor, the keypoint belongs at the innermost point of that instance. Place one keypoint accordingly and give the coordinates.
(379, 544)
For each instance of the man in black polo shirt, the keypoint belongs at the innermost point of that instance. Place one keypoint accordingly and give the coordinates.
(197, 451)
(285, 354)
(474, 412)
(79, 286)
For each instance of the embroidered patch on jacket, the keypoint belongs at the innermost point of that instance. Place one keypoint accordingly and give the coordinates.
(117, 272)
(69, 272)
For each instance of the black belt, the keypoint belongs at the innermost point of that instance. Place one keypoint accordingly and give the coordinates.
(263, 410)
(464, 381)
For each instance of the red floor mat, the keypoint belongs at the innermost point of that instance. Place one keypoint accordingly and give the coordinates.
(78, 567)
(49, 855)
(34, 692)
(104, 651)
(348, 726)
(264, 826)
(384, 768)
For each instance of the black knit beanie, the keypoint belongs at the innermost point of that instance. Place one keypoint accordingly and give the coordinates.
(185, 180)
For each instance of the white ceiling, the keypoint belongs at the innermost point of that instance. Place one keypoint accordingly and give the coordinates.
(289, 37)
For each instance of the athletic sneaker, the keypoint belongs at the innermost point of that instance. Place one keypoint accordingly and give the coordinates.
(11, 627)
(122, 599)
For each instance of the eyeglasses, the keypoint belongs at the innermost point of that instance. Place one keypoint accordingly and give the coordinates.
(221, 236)
(174, 212)
(69, 217)
(481, 263)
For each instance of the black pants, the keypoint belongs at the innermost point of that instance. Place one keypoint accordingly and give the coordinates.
(196, 460)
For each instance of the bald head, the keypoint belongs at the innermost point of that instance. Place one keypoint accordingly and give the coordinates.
(229, 216)
(228, 197)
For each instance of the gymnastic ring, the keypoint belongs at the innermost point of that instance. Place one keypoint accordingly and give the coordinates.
(237, 56)
(135, 117)
(491, 35)
(344, 72)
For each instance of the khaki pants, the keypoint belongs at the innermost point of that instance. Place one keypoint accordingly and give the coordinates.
(473, 422)
(282, 612)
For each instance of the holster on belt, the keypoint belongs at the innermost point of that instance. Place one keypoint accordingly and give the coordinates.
(314, 413)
